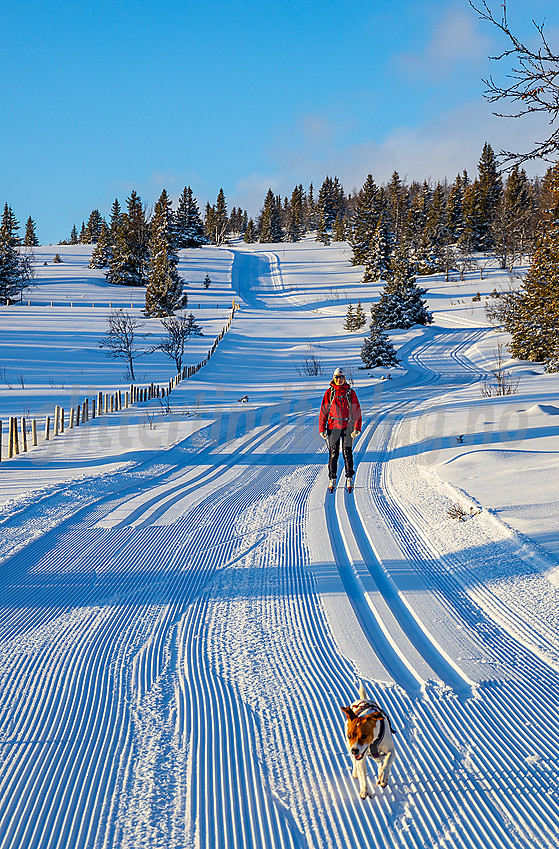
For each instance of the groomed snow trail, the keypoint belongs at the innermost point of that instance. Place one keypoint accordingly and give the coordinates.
(174, 655)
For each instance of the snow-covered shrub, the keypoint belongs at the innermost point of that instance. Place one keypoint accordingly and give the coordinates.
(552, 365)
(378, 350)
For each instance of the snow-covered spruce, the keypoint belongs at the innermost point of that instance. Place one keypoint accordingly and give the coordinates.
(164, 293)
(401, 301)
(378, 350)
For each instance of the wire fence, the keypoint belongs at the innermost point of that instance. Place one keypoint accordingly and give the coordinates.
(23, 433)
(108, 304)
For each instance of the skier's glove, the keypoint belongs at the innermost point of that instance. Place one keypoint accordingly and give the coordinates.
(355, 434)
(324, 434)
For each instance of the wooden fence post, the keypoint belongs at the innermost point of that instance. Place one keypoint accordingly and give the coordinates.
(77, 420)
(72, 414)
(47, 428)
(99, 403)
(34, 431)
(23, 436)
(16, 437)
(93, 407)
(62, 420)
(106, 403)
(56, 417)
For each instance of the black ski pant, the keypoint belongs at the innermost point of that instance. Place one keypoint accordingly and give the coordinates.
(335, 436)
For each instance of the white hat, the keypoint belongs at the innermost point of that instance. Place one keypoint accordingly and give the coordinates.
(339, 372)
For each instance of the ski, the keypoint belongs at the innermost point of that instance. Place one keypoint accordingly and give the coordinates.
(332, 486)
(349, 485)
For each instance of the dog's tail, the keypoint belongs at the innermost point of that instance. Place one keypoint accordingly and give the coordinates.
(362, 692)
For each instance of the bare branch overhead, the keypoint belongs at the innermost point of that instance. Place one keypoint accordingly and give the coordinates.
(532, 83)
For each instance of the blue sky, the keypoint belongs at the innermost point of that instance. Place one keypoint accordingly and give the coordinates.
(106, 96)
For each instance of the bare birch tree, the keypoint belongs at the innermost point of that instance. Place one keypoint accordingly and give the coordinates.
(122, 338)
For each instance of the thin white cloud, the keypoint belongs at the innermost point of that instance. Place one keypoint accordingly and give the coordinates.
(435, 151)
(457, 38)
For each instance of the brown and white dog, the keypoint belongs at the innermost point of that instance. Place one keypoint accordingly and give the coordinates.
(368, 732)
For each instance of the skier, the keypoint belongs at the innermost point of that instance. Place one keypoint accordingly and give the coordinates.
(340, 420)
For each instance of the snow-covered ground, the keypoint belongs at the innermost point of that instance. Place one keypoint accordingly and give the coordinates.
(185, 609)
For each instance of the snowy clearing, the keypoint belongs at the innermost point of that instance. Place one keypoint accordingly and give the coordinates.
(185, 609)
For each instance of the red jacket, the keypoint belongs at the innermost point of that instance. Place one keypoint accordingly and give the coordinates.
(339, 407)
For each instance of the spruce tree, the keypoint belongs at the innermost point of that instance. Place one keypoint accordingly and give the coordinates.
(115, 220)
(322, 234)
(130, 259)
(10, 226)
(396, 204)
(94, 225)
(490, 189)
(30, 240)
(16, 272)
(331, 201)
(377, 258)
(535, 327)
(454, 215)
(511, 224)
(349, 323)
(102, 252)
(311, 217)
(360, 319)
(295, 215)
(413, 307)
(339, 229)
(416, 222)
(270, 226)
(74, 235)
(250, 232)
(436, 225)
(364, 221)
(473, 236)
(209, 227)
(377, 349)
(189, 226)
(10, 270)
(218, 222)
(164, 293)
(425, 231)
(401, 301)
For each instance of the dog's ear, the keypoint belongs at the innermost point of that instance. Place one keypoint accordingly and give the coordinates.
(349, 713)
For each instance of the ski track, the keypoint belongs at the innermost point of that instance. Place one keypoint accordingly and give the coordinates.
(168, 677)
